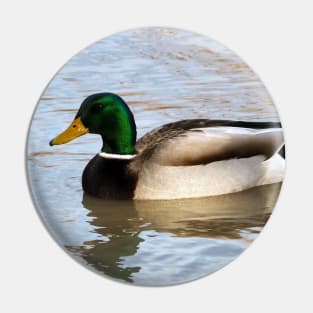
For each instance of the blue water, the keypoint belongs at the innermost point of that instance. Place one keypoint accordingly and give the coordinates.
(164, 75)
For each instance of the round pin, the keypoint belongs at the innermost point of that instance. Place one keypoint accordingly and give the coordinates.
(155, 156)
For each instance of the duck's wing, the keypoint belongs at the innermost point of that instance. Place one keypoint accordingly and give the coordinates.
(193, 142)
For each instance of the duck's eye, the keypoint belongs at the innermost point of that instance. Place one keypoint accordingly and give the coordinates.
(97, 108)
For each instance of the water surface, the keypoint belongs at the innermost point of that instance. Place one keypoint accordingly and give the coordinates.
(164, 75)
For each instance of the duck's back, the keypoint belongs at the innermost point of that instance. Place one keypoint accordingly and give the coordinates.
(198, 158)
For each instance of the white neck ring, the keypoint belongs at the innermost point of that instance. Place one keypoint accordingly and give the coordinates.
(116, 156)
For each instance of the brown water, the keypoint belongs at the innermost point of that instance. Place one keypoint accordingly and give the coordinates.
(164, 75)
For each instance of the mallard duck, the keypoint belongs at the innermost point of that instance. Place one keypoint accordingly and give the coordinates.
(185, 159)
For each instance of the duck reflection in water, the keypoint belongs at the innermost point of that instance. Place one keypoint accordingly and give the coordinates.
(122, 224)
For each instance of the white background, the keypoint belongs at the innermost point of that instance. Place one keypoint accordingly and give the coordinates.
(274, 37)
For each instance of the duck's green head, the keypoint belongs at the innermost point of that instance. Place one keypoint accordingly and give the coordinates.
(105, 114)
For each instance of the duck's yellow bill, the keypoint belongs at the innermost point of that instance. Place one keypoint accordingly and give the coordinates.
(76, 129)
